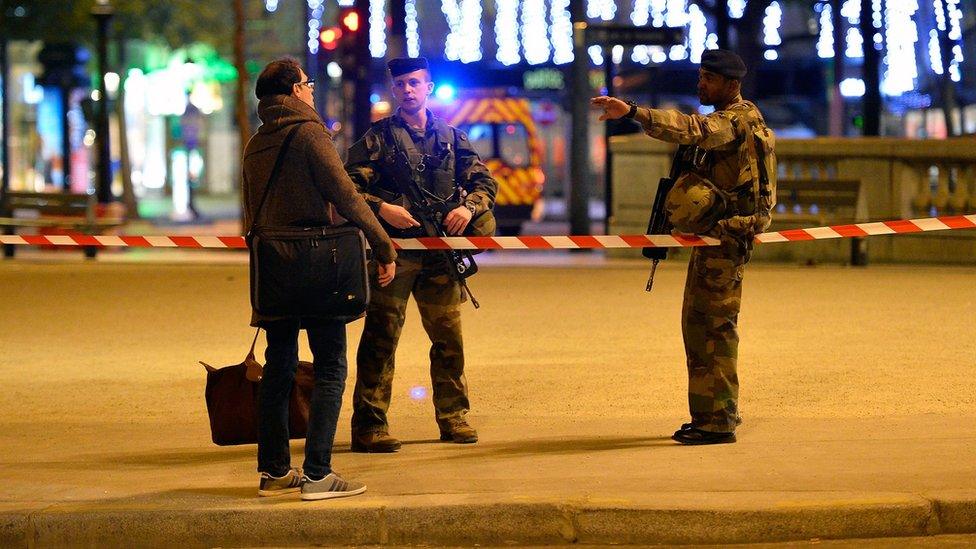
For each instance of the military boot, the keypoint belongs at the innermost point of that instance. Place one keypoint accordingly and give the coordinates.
(374, 442)
(695, 436)
(457, 430)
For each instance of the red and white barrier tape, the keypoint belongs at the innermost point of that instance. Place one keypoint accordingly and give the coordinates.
(523, 242)
(901, 226)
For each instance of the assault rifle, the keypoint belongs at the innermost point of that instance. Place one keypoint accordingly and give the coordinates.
(431, 210)
(658, 222)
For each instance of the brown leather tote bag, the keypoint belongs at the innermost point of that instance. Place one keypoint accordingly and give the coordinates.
(233, 393)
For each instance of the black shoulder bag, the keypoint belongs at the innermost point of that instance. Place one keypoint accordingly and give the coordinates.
(313, 272)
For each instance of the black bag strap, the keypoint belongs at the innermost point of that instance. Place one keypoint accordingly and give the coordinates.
(250, 353)
(274, 173)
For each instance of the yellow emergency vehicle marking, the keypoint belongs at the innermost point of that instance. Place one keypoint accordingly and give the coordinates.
(463, 113)
(516, 185)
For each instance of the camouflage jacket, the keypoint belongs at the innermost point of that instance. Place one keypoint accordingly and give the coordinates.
(726, 162)
(454, 168)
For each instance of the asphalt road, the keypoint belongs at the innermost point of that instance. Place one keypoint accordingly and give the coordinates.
(857, 388)
(575, 341)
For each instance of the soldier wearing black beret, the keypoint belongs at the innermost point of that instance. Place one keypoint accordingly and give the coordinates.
(724, 63)
(414, 145)
(727, 192)
(404, 65)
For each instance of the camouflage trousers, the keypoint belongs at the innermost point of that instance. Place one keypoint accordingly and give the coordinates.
(713, 291)
(439, 298)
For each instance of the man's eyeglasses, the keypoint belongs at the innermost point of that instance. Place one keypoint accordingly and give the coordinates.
(310, 83)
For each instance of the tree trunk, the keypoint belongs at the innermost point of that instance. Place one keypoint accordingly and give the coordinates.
(719, 12)
(722, 20)
(870, 74)
(128, 192)
(4, 115)
(103, 188)
(397, 43)
(362, 106)
(947, 88)
(837, 124)
(243, 120)
(750, 45)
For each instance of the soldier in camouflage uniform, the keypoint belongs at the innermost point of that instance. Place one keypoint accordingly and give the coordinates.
(726, 156)
(414, 141)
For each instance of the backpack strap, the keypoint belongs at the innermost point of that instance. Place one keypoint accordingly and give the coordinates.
(761, 191)
(765, 194)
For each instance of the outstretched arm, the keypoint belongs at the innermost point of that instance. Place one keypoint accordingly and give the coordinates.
(711, 131)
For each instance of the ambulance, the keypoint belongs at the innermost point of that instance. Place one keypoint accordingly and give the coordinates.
(503, 132)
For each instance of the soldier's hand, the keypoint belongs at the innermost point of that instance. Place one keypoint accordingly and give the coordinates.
(398, 216)
(613, 108)
(385, 273)
(457, 220)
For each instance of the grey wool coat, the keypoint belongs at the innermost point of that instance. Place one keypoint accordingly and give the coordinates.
(312, 185)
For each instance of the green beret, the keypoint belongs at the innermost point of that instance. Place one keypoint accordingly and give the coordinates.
(723, 62)
(404, 65)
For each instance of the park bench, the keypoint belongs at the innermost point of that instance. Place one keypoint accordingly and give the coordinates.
(804, 203)
(65, 211)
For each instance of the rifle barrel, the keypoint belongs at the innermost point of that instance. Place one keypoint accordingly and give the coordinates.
(650, 279)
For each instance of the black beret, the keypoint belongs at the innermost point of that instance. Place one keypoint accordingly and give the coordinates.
(723, 62)
(403, 65)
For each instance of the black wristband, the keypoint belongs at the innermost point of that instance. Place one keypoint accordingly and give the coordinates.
(632, 112)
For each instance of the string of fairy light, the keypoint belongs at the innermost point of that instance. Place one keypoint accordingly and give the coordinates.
(463, 42)
(897, 34)
(540, 31)
(377, 28)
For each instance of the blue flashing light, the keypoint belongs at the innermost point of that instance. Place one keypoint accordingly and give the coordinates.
(374, 98)
(418, 393)
(445, 92)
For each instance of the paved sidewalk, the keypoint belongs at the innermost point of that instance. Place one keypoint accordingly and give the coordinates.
(860, 417)
(535, 481)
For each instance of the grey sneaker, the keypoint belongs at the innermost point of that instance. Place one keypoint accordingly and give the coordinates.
(332, 486)
(276, 486)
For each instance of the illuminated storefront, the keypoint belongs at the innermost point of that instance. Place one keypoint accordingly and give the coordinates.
(178, 134)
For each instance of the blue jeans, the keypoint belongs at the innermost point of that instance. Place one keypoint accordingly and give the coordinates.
(328, 343)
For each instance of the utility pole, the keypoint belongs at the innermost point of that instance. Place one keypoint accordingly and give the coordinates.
(102, 12)
(579, 144)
